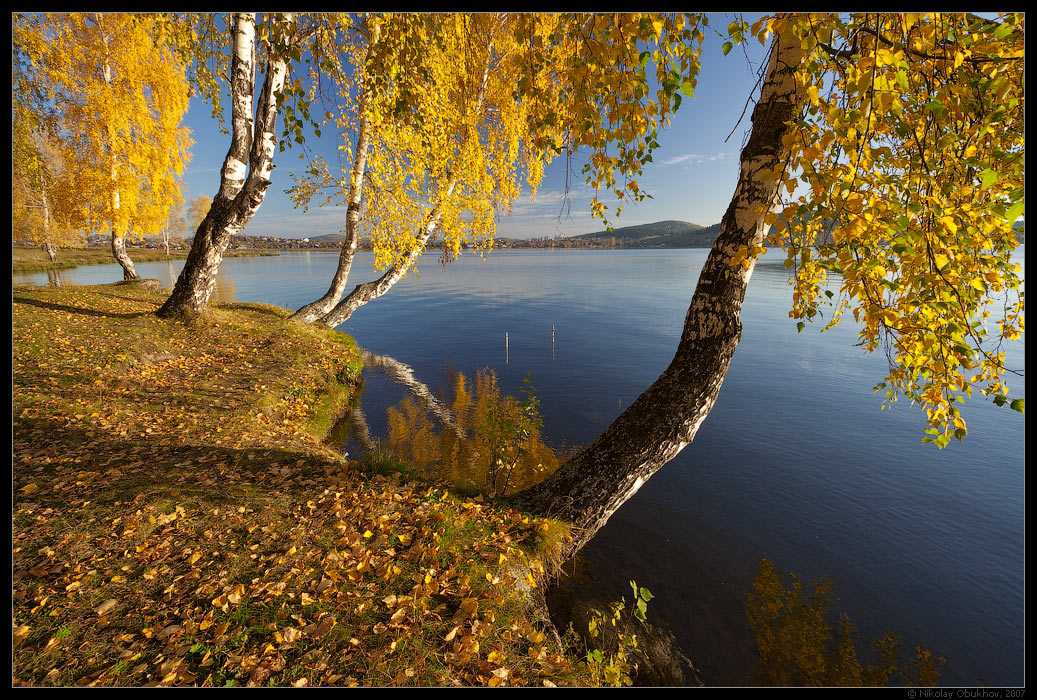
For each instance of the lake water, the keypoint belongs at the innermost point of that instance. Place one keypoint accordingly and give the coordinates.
(795, 463)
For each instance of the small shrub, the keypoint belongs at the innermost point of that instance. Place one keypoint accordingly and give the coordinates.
(616, 667)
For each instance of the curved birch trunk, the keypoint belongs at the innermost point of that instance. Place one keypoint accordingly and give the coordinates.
(129, 272)
(252, 151)
(48, 248)
(315, 310)
(594, 483)
(368, 291)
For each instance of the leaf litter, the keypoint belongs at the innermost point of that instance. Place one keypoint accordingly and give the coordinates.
(178, 519)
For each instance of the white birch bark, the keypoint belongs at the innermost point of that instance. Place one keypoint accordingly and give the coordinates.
(363, 293)
(368, 291)
(129, 272)
(48, 244)
(316, 309)
(246, 171)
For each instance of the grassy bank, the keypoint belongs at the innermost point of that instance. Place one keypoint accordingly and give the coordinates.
(179, 520)
(27, 260)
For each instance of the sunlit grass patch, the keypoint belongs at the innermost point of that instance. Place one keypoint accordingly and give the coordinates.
(179, 520)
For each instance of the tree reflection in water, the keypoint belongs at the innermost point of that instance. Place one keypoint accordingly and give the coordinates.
(473, 437)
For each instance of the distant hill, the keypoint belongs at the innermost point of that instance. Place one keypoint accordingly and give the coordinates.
(331, 239)
(661, 234)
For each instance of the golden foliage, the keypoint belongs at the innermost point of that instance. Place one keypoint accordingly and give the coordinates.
(465, 108)
(904, 181)
(116, 100)
(40, 182)
(585, 81)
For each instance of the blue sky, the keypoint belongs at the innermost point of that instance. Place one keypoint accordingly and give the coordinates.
(691, 179)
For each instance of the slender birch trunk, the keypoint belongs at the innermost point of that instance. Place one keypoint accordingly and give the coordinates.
(246, 171)
(129, 272)
(594, 483)
(319, 308)
(48, 244)
(368, 291)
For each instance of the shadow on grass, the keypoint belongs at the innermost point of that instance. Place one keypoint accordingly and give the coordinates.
(69, 462)
(83, 311)
(265, 309)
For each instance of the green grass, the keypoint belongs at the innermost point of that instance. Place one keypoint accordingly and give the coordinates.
(28, 260)
(179, 469)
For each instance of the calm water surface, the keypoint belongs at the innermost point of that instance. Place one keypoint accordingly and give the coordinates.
(795, 463)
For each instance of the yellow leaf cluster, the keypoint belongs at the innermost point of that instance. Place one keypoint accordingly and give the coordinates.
(465, 109)
(117, 99)
(909, 147)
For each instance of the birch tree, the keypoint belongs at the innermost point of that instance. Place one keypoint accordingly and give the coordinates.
(261, 54)
(441, 162)
(860, 109)
(444, 139)
(245, 175)
(117, 97)
(433, 143)
(197, 208)
(356, 116)
(40, 196)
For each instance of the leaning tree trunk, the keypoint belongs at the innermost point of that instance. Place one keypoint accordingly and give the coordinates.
(129, 272)
(319, 308)
(48, 248)
(239, 196)
(368, 291)
(595, 482)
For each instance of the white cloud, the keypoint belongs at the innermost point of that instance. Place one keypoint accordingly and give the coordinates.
(698, 158)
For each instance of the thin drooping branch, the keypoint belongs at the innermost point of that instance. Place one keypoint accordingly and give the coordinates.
(595, 482)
